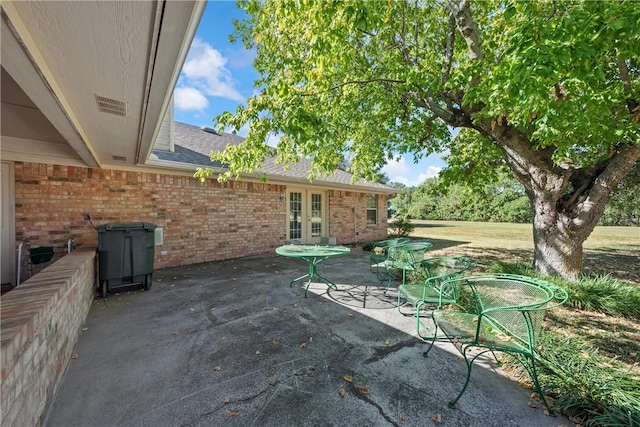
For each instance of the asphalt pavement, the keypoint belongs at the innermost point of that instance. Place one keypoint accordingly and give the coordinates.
(230, 343)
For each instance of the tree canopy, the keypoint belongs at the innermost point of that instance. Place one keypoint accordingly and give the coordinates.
(548, 90)
(501, 201)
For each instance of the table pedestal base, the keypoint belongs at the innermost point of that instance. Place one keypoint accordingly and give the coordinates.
(313, 273)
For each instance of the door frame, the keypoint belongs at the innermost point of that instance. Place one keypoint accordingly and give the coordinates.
(306, 237)
(8, 259)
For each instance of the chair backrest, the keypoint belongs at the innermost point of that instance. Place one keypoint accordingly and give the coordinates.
(391, 242)
(516, 304)
(443, 268)
(437, 270)
(411, 253)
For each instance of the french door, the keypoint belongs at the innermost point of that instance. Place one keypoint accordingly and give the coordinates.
(306, 216)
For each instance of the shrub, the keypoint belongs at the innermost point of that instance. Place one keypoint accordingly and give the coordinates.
(603, 294)
(368, 246)
(584, 385)
(594, 293)
(401, 227)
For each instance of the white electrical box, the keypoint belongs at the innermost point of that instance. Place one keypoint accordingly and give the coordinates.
(159, 236)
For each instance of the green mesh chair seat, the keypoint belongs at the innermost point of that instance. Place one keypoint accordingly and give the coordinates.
(412, 298)
(497, 313)
(464, 327)
(417, 294)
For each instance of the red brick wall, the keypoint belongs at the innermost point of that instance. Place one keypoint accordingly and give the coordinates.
(201, 221)
(350, 227)
(41, 322)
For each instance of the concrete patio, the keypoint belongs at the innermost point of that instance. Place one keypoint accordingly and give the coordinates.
(231, 344)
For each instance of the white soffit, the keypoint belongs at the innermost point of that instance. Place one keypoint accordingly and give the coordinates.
(108, 67)
(20, 65)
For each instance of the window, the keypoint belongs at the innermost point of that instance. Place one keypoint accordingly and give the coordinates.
(316, 215)
(295, 215)
(372, 208)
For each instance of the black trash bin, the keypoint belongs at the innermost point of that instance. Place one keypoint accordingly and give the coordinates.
(125, 256)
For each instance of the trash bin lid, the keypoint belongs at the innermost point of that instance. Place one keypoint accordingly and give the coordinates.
(125, 226)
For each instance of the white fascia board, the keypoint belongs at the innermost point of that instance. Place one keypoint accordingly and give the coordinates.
(179, 21)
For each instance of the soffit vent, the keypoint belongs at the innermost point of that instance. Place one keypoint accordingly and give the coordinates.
(111, 106)
(119, 158)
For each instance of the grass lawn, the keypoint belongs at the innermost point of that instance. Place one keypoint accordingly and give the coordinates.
(600, 346)
(609, 250)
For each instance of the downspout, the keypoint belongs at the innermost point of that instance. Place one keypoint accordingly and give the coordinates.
(355, 228)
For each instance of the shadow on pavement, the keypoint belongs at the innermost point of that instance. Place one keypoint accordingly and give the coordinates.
(231, 344)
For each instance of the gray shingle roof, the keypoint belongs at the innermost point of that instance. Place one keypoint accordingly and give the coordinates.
(185, 155)
(193, 144)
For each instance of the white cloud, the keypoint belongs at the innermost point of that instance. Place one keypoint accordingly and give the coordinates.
(432, 172)
(398, 170)
(396, 167)
(189, 99)
(205, 71)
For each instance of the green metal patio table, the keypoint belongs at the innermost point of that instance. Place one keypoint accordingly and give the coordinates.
(313, 255)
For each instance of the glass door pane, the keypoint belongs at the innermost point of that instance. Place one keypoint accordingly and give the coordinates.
(295, 215)
(316, 215)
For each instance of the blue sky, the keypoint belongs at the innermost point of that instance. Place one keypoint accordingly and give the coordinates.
(218, 76)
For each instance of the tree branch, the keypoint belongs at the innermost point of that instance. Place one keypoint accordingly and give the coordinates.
(354, 82)
(429, 102)
(586, 183)
(632, 104)
(467, 26)
(624, 74)
(448, 50)
(618, 166)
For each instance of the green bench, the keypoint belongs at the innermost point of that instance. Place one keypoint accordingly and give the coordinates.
(498, 312)
(414, 297)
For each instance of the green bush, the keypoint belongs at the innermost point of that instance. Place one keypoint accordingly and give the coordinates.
(368, 246)
(401, 227)
(585, 386)
(594, 293)
(603, 294)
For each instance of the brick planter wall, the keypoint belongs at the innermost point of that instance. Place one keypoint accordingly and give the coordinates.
(41, 322)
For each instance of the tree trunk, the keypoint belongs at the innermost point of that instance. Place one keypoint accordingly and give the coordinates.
(558, 249)
(567, 202)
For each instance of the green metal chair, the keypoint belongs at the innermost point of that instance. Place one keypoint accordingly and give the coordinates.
(404, 258)
(437, 271)
(379, 254)
(498, 312)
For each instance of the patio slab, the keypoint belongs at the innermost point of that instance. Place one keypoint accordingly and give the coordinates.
(229, 343)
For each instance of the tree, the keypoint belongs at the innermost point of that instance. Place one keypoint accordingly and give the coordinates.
(401, 201)
(624, 204)
(503, 200)
(548, 90)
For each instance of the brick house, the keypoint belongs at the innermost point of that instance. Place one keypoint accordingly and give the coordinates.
(197, 221)
(122, 165)
(87, 129)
